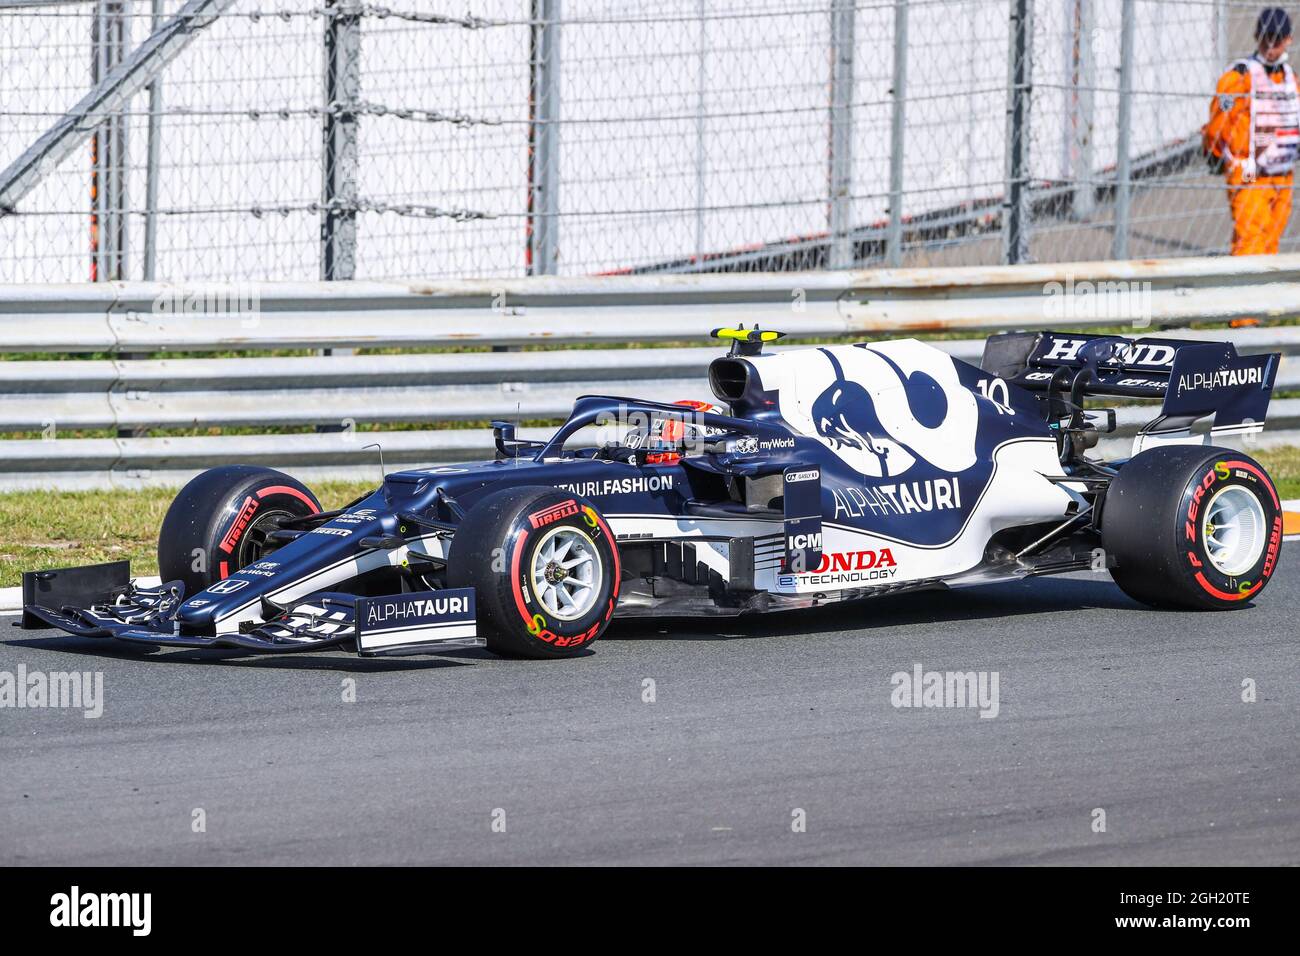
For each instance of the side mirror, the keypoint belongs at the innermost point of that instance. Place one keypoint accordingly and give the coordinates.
(502, 433)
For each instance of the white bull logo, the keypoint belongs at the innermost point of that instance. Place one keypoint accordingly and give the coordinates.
(883, 407)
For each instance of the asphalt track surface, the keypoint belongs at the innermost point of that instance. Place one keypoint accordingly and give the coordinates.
(1103, 704)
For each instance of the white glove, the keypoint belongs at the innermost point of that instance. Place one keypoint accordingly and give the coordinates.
(1247, 167)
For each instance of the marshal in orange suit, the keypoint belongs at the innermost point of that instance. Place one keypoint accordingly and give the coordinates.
(1253, 135)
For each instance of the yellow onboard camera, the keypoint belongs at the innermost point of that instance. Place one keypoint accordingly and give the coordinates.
(746, 341)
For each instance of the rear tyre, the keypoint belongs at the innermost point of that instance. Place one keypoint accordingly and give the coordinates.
(220, 521)
(545, 570)
(1192, 527)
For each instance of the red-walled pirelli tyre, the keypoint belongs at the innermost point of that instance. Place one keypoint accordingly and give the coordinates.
(218, 523)
(545, 569)
(1192, 527)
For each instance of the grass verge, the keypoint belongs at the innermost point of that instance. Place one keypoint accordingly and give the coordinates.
(53, 529)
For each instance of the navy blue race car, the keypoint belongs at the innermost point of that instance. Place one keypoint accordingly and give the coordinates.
(815, 474)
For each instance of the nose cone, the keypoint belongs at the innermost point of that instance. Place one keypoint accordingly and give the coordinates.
(314, 561)
(199, 613)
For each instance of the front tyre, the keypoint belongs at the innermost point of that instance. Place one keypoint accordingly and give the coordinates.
(220, 521)
(545, 570)
(1192, 527)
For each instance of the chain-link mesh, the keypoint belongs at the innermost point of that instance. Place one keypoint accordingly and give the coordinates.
(1176, 207)
(502, 137)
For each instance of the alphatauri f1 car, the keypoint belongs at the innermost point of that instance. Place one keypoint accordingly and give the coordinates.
(816, 474)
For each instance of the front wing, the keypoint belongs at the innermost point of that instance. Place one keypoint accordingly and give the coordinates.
(388, 625)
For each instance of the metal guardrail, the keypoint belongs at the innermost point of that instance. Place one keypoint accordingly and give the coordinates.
(339, 391)
(342, 391)
(122, 317)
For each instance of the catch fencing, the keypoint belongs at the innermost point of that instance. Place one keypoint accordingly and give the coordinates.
(336, 139)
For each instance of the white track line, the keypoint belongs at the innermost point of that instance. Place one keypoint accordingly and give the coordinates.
(11, 599)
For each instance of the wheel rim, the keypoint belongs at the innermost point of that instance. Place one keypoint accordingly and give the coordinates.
(254, 546)
(567, 573)
(1234, 530)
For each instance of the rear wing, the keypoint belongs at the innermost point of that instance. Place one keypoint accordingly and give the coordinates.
(1192, 379)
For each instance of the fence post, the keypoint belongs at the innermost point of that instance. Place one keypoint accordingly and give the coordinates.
(106, 97)
(154, 150)
(109, 233)
(1220, 32)
(544, 139)
(897, 138)
(342, 95)
(1079, 134)
(701, 158)
(1015, 216)
(1123, 160)
(841, 255)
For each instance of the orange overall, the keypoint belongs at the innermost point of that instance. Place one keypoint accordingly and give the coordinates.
(1253, 129)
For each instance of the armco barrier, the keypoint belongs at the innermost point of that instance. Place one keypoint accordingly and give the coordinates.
(441, 388)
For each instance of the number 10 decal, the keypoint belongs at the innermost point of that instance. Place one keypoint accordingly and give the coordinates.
(996, 391)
